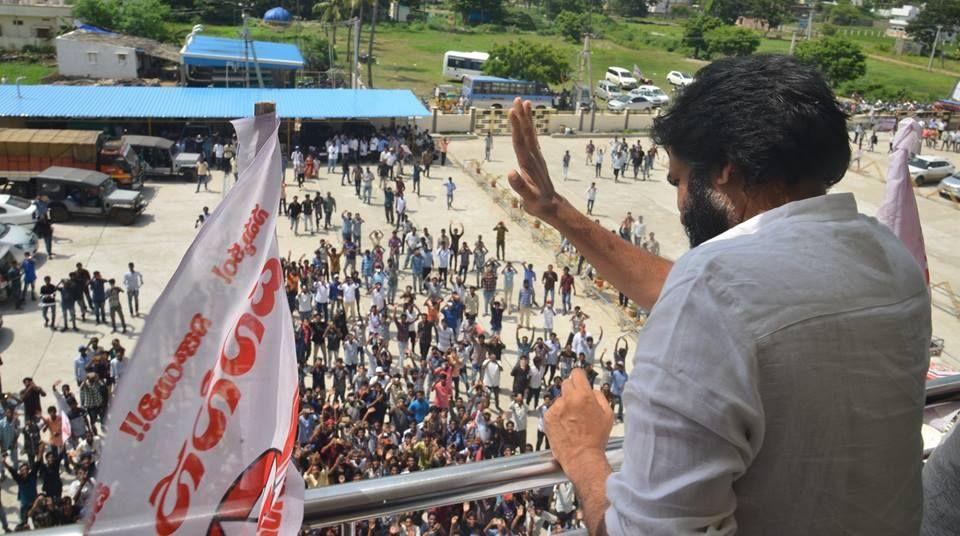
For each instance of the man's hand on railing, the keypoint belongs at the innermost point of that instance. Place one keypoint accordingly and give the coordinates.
(578, 426)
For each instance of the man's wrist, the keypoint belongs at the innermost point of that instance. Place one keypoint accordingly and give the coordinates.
(589, 464)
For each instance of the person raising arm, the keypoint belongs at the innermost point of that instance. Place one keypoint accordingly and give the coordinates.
(607, 252)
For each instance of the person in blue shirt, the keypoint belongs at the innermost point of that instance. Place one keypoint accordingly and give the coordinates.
(618, 380)
(334, 293)
(29, 268)
(26, 478)
(306, 424)
(98, 293)
(450, 186)
(453, 312)
(416, 268)
(416, 179)
(346, 229)
(366, 268)
(529, 276)
(419, 407)
(80, 365)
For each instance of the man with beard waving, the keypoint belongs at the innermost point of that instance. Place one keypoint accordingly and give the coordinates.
(778, 384)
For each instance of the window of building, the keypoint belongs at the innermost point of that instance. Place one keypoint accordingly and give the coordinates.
(42, 33)
(92, 58)
(18, 23)
(122, 58)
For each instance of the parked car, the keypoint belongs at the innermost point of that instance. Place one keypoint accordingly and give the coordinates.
(607, 90)
(950, 186)
(621, 77)
(924, 168)
(81, 192)
(629, 102)
(16, 240)
(679, 78)
(159, 161)
(17, 210)
(652, 93)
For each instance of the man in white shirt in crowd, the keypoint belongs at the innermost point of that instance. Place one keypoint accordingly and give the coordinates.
(639, 231)
(778, 384)
(218, 151)
(132, 281)
(518, 416)
(321, 297)
(491, 370)
(349, 290)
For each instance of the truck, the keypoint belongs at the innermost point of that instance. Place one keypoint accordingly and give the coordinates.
(24, 152)
(70, 192)
(159, 159)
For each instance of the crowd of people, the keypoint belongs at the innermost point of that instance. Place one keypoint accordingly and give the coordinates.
(405, 362)
(402, 347)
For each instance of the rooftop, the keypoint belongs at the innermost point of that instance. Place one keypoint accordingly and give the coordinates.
(148, 46)
(48, 101)
(217, 52)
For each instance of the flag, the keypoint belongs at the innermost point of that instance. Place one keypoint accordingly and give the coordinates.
(899, 208)
(201, 431)
(66, 431)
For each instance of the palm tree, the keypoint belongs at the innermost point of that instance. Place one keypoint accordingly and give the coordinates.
(330, 13)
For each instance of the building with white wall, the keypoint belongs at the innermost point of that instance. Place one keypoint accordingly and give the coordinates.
(92, 54)
(32, 22)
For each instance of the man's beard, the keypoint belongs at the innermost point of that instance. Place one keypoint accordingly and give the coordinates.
(704, 214)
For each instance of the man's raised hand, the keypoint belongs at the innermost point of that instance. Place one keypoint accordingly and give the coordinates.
(531, 179)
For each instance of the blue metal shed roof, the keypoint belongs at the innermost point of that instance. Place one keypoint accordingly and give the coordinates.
(217, 51)
(45, 101)
(486, 78)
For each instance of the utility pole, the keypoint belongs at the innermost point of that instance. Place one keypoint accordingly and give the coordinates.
(248, 47)
(933, 51)
(585, 66)
(355, 65)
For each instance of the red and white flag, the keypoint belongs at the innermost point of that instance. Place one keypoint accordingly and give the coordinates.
(899, 209)
(66, 431)
(201, 431)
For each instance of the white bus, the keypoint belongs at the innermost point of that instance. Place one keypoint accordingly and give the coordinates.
(456, 65)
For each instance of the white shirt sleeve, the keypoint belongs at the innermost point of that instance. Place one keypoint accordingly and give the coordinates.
(695, 421)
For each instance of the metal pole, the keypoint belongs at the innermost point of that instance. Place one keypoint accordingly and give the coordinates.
(793, 42)
(355, 66)
(586, 53)
(934, 48)
(810, 24)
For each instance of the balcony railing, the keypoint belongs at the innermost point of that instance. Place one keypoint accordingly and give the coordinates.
(344, 504)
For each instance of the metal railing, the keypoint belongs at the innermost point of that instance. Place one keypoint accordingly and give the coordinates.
(344, 504)
(365, 499)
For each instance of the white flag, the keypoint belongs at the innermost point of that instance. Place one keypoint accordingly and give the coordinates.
(66, 431)
(202, 429)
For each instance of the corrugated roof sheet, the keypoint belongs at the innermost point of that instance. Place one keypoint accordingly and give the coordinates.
(47, 101)
(217, 51)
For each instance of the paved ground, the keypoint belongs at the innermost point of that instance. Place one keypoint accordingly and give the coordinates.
(656, 201)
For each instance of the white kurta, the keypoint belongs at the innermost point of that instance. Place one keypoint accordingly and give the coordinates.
(778, 384)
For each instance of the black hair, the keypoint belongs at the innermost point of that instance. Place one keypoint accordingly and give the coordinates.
(773, 118)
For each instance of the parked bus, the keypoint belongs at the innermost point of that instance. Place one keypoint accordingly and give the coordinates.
(456, 65)
(496, 92)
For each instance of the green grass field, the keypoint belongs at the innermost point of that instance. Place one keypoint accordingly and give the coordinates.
(32, 72)
(409, 55)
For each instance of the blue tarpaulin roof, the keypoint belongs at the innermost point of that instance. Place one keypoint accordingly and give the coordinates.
(217, 52)
(46, 101)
